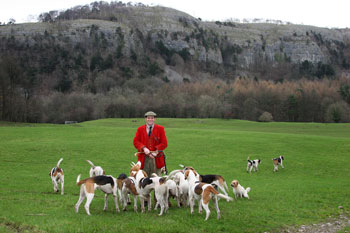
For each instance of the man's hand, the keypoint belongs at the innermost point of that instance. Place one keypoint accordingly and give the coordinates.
(146, 150)
(154, 153)
(149, 153)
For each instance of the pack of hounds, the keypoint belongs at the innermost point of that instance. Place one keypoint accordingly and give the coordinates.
(184, 185)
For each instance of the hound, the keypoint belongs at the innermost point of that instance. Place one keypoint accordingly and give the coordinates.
(185, 169)
(218, 180)
(57, 177)
(107, 184)
(95, 170)
(276, 162)
(215, 179)
(179, 177)
(203, 193)
(239, 190)
(141, 181)
(183, 187)
(253, 164)
(173, 191)
(120, 180)
(161, 191)
(128, 187)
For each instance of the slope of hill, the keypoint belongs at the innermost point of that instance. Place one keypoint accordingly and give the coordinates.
(95, 61)
(181, 44)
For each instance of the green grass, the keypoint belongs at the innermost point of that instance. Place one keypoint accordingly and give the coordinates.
(313, 184)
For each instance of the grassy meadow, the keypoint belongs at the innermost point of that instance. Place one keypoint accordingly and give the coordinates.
(311, 187)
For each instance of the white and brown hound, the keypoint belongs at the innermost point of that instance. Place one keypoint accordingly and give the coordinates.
(215, 179)
(218, 180)
(128, 188)
(95, 170)
(107, 184)
(239, 190)
(183, 186)
(143, 185)
(203, 193)
(120, 180)
(276, 162)
(173, 190)
(57, 176)
(161, 191)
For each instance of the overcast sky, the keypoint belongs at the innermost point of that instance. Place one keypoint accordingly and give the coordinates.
(321, 13)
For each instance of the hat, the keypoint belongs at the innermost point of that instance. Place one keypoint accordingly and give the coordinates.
(150, 113)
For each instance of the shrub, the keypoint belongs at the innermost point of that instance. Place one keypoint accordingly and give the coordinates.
(338, 112)
(344, 91)
(266, 117)
(250, 109)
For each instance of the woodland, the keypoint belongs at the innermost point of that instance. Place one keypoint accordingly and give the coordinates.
(48, 78)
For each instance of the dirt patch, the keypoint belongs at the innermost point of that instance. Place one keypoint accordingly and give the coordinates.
(16, 227)
(333, 225)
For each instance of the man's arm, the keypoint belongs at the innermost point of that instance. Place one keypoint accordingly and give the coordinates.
(138, 144)
(163, 143)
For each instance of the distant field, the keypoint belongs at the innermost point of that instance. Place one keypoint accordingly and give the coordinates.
(314, 183)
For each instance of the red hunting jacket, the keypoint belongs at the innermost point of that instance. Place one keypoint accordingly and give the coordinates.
(157, 141)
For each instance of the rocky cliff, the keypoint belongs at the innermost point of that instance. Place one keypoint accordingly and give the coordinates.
(186, 48)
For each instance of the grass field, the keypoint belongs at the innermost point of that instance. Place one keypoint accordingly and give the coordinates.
(311, 187)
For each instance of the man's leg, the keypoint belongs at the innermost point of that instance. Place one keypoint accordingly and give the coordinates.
(148, 166)
(159, 172)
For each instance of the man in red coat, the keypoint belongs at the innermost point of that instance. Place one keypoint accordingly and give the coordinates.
(150, 141)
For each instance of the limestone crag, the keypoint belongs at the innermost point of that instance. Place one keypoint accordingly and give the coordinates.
(170, 31)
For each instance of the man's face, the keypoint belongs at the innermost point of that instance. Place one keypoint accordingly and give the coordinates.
(150, 120)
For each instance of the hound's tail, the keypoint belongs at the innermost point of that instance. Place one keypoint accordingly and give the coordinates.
(80, 182)
(248, 189)
(227, 198)
(59, 162)
(78, 179)
(225, 185)
(92, 165)
(134, 164)
(172, 173)
(213, 191)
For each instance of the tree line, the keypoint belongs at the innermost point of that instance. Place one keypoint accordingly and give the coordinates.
(88, 73)
(322, 100)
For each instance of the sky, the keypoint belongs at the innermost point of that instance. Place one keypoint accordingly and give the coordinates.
(320, 13)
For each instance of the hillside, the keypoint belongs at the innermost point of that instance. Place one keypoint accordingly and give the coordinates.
(223, 49)
(106, 46)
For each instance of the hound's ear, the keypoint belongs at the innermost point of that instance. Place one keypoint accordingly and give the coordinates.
(195, 173)
(144, 173)
(186, 174)
(133, 174)
(234, 183)
(162, 180)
